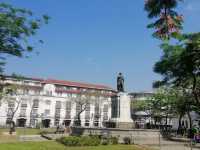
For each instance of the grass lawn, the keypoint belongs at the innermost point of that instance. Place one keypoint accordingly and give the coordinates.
(50, 145)
(28, 131)
(20, 131)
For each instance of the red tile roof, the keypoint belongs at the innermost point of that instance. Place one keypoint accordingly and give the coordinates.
(77, 84)
(69, 83)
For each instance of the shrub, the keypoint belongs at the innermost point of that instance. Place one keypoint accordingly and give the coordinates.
(105, 141)
(95, 140)
(114, 140)
(89, 141)
(79, 141)
(70, 141)
(127, 140)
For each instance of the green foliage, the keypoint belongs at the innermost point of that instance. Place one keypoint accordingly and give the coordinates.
(80, 141)
(105, 141)
(168, 22)
(52, 145)
(114, 140)
(16, 26)
(127, 140)
(180, 65)
(70, 141)
(87, 141)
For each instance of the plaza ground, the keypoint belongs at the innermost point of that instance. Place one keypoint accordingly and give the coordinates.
(8, 142)
(51, 145)
(21, 131)
(28, 131)
(13, 142)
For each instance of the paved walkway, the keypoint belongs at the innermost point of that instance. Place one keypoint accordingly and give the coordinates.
(31, 138)
(173, 145)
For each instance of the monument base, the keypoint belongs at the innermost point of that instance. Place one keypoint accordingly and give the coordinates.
(124, 125)
(123, 119)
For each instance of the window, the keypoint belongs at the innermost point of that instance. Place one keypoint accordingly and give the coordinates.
(24, 103)
(68, 110)
(87, 112)
(59, 93)
(35, 103)
(49, 93)
(34, 113)
(47, 112)
(96, 112)
(26, 82)
(37, 92)
(10, 112)
(57, 113)
(58, 104)
(78, 108)
(11, 104)
(115, 107)
(48, 102)
(56, 122)
(26, 91)
(96, 123)
(105, 112)
(22, 112)
(87, 123)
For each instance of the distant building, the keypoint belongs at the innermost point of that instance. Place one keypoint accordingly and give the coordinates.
(52, 102)
(143, 119)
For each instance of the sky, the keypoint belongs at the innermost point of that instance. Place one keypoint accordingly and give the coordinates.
(93, 40)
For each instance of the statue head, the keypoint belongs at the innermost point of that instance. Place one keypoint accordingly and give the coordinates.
(120, 74)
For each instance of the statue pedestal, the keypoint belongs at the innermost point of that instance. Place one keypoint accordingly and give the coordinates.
(123, 119)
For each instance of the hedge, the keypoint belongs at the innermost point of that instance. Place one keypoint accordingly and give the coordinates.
(80, 141)
(87, 141)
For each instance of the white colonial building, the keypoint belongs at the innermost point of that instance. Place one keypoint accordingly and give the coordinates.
(49, 103)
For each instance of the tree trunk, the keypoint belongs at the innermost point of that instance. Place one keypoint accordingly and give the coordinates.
(12, 124)
(190, 119)
(166, 119)
(179, 123)
(194, 90)
(190, 134)
(79, 120)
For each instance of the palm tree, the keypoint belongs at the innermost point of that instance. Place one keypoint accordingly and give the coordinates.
(168, 22)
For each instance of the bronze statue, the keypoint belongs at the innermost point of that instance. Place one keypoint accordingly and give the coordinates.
(120, 83)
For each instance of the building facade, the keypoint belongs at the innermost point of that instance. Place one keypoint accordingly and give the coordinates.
(141, 118)
(49, 103)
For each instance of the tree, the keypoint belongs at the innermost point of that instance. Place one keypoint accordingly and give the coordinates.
(167, 103)
(151, 106)
(13, 103)
(16, 27)
(180, 62)
(9, 95)
(168, 22)
(180, 65)
(82, 101)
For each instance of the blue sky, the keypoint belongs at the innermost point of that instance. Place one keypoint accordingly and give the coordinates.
(92, 40)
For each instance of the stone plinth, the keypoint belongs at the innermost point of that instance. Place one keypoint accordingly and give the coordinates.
(123, 119)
